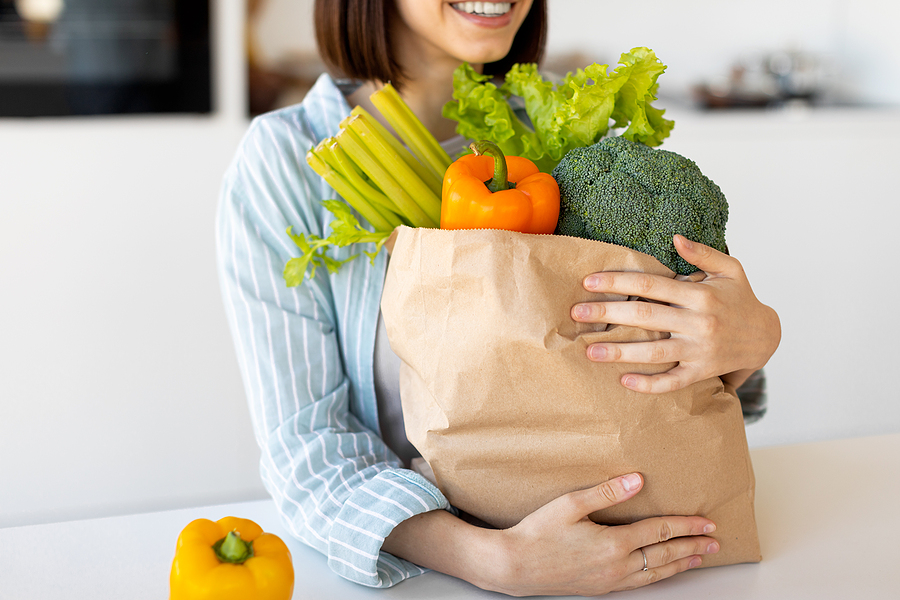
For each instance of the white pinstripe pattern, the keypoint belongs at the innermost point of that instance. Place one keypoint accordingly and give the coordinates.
(365, 573)
(355, 550)
(243, 356)
(372, 513)
(305, 354)
(402, 508)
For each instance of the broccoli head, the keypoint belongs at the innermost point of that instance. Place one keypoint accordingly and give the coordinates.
(629, 194)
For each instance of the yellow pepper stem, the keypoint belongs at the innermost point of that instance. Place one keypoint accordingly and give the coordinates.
(500, 180)
(232, 549)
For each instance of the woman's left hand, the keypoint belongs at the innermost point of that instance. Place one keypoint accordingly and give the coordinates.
(718, 327)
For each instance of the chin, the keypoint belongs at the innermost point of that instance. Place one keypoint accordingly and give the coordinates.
(480, 57)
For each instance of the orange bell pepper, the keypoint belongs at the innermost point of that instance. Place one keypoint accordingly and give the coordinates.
(486, 190)
(230, 559)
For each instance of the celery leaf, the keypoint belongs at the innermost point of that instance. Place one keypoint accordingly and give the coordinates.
(345, 230)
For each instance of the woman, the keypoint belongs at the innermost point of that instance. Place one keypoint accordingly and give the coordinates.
(321, 382)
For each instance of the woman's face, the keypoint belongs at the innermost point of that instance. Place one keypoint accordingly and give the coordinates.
(473, 32)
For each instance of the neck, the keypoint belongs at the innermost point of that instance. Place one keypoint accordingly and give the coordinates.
(426, 93)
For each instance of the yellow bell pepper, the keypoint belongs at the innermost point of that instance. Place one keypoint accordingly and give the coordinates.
(230, 559)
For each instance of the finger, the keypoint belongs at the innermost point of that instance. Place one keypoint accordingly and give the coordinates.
(654, 353)
(662, 383)
(646, 315)
(642, 578)
(659, 555)
(656, 530)
(643, 285)
(580, 504)
(707, 259)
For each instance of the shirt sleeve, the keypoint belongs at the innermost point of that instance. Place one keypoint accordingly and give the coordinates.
(335, 483)
(753, 397)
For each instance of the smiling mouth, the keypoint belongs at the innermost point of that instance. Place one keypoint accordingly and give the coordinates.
(483, 9)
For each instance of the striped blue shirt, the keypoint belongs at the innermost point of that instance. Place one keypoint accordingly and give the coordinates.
(306, 353)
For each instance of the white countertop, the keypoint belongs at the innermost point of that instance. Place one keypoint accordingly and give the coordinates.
(827, 513)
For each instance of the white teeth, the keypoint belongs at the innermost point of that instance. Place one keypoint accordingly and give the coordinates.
(485, 9)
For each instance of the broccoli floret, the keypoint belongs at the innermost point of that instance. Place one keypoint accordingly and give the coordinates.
(629, 194)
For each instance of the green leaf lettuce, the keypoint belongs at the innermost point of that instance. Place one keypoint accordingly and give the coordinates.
(575, 112)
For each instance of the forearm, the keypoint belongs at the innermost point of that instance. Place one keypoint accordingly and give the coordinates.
(557, 549)
(445, 543)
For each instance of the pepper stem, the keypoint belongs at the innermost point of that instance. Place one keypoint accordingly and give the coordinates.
(232, 549)
(501, 174)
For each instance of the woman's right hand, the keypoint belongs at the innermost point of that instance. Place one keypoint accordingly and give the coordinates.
(558, 550)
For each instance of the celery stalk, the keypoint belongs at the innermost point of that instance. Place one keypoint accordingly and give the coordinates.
(364, 159)
(377, 218)
(387, 183)
(330, 151)
(402, 173)
(424, 172)
(410, 129)
(354, 176)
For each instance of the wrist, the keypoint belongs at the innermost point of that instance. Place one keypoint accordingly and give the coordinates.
(439, 541)
(492, 560)
(764, 346)
(736, 379)
(503, 564)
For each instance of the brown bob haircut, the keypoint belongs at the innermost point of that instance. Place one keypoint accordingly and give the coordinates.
(353, 39)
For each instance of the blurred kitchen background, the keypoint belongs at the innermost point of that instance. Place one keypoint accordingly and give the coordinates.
(765, 53)
(119, 389)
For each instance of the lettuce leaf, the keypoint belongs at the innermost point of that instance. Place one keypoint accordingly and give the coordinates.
(577, 112)
(641, 69)
(482, 112)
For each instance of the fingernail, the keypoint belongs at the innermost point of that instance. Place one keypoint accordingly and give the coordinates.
(695, 562)
(629, 382)
(581, 311)
(712, 548)
(687, 243)
(631, 482)
(709, 528)
(598, 352)
(591, 282)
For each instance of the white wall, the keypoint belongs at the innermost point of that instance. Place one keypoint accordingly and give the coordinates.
(119, 389)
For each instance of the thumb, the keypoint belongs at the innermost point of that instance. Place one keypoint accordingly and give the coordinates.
(703, 257)
(609, 493)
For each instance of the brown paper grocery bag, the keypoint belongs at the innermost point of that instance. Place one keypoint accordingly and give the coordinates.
(500, 399)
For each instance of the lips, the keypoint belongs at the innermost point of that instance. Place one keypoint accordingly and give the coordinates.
(483, 9)
(486, 15)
